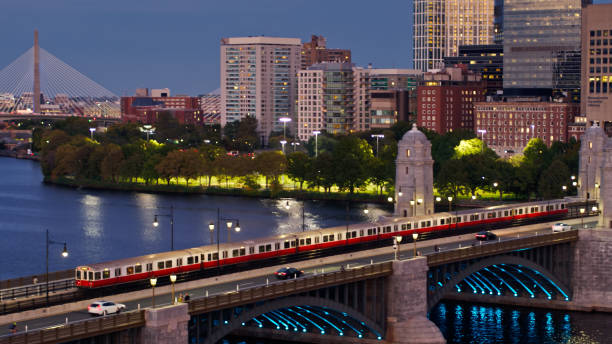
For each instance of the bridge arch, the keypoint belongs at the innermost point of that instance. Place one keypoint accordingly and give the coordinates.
(438, 294)
(268, 306)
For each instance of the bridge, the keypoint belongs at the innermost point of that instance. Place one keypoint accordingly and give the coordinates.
(38, 85)
(379, 302)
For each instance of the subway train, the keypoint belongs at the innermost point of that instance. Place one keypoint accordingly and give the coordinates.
(315, 243)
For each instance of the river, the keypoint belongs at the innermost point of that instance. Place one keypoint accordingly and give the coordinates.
(104, 225)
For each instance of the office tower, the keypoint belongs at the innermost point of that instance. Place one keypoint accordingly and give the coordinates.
(486, 60)
(541, 38)
(392, 96)
(441, 26)
(258, 79)
(596, 82)
(446, 99)
(316, 51)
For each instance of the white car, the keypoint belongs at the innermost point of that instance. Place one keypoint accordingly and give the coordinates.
(105, 307)
(561, 227)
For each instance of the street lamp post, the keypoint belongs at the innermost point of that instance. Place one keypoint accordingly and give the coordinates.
(91, 131)
(148, 129)
(295, 144)
(153, 282)
(397, 240)
(284, 120)
(483, 132)
(64, 254)
(415, 236)
(171, 216)
(582, 210)
(172, 279)
(229, 223)
(283, 142)
(378, 136)
(211, 229)
(450, 203)
(316, 134)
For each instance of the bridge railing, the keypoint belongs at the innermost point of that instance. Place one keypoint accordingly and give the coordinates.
(12, 306)
(493, 248)
(34, 290)
(288, 287)
(28, 280)
(79, 329)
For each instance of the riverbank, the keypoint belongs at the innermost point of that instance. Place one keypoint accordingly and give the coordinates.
(216, 191)
(18, 155)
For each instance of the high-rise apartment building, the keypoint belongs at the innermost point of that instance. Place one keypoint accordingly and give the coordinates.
(446, 99)
(486, 60)
(316, 51)
(441, 26)
(392, 96)
(541, 40)
(332, 97)
(258, 79)
(596, 82)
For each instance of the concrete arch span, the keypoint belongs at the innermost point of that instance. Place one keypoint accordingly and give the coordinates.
(447, 287)
(223, 330)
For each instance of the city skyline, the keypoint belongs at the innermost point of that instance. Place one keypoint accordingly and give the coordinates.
(183, 55)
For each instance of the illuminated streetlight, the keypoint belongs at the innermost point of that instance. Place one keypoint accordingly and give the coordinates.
(284, 120)
(378, 136)
(91, 131)
(390, 199)
(211, 229)
(450, 202)
(396, 244)
(582, 210)
(483, 132)
(316, 134)
(64, 254)
(153, 282)
(438, 199)
(171, 216)
(295, 144)
(283, 142)
(415, 236)
(172, 279)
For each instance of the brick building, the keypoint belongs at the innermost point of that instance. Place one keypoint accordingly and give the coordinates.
(445, 99)
(316, 51)
(508, 126)
(147, 110)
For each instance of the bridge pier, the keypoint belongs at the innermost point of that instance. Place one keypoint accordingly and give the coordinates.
(407, 305)
(592, 276)
(166, 325)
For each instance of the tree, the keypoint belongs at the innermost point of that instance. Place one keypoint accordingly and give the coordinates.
(190, 164)
(352, 157)
(452, 178)
(121, 134)
(324, 143)
(167, 127)
(324, 172)
(149, 171)
(169, 166)
(299, 165)
(270, 164)
(241, 135)
(552, 179)
(111, 164)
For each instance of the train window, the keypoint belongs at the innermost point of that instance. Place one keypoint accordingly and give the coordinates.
(428, 223)
(506, 213)
(301, 242)
(91, 275)
(293, 242)
(562, 206)
(179, 261)
(251, 249)
(160, 265)
(242, 251)
(286, 243)
(215, 256)
(354, 234)
(195, 259)
(235, 253)
(268, 247)
(262, 248)
(415, 225)
(331, 237)
(325, 237)
(316, 241)
(276, 246)
(203, 258)
(458, 219)
(369, 231)
(138, 268)
(129, 270)
(190, 260)
(106, 273)
(98, 275)
(378, 228)
(224, 254)
(308, 241)
(441, 221)
(395, 228)
(423, 224)
(520, 211)
(388, 229)
(117, 272)
(78, 274)
(168, 264)
(149, 266)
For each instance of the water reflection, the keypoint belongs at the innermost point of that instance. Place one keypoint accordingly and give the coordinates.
(501, 324)
(91, 211)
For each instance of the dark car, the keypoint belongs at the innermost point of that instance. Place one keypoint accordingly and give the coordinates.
(486, 235)
(288, 272)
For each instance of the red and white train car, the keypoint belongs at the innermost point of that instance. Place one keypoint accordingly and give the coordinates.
(207, 257)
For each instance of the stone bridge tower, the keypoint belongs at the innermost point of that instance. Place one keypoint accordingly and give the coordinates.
(414, 175)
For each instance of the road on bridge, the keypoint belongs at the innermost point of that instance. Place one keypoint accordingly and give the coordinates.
(165, 299)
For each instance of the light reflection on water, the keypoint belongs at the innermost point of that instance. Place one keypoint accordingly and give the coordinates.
(473, 323)
(104, 225)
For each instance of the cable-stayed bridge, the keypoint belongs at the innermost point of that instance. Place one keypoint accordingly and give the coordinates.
(38, 84)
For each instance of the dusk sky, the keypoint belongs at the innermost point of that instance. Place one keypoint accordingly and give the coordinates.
(124, 45)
